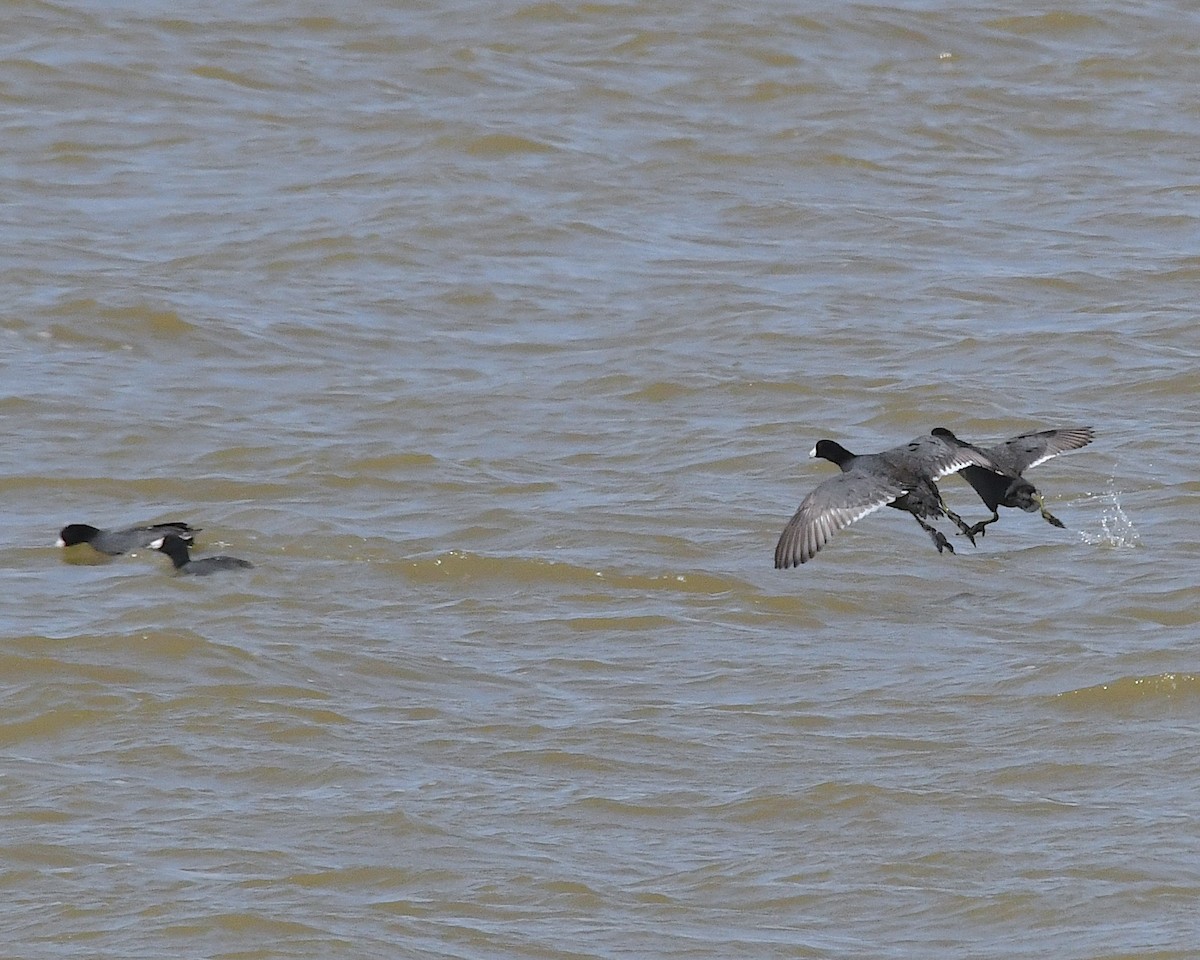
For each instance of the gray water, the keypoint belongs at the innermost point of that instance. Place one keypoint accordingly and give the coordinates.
(496, 336)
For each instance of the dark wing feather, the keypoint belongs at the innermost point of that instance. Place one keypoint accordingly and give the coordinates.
(935, 458)
(1027, 450)
(832, 506)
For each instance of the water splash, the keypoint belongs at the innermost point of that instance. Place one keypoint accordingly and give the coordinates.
(1115, 529)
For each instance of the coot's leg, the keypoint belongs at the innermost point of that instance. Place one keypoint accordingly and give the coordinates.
(939, 540)
(1049, 517)
(980, 529)
(968, 532)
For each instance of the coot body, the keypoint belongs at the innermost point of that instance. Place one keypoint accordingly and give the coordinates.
(115, 542)
(1014, 456)
(175, 548)
(902, 477)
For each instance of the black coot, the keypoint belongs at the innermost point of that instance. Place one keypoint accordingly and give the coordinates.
(902, 477)
(1014, 456)
(175, 548)
(114, 542)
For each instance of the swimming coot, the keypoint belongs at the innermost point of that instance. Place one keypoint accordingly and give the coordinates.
(177, 549)
(114, 542)
(902, 477)
(1014, 456)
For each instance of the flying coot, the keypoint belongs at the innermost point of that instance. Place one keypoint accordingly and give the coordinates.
(902, 477)
(177, 549)
(115, 542)
(1014, 456)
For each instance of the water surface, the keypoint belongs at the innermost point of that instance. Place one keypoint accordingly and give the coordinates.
(495, 336)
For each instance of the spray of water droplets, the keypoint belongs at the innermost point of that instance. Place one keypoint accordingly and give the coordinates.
(1112, 526)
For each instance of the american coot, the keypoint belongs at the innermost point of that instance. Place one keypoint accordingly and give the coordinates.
(1014, 456)
(114, 542)
(902, 477)
(177, 549)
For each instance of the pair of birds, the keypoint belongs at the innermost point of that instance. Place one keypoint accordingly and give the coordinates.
(903, 477)
(173, 539)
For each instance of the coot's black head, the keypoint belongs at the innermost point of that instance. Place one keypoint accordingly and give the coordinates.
(832, 451)
(74, 533)
(1023, 495)
(944, 434)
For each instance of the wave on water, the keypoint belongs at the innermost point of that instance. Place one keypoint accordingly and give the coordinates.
(1129, 691)
(464, 565)
(1113, 527)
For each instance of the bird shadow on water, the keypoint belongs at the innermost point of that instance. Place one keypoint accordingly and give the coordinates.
(1107, 522)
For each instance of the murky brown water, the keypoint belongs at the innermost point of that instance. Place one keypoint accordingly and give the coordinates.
(496, 336)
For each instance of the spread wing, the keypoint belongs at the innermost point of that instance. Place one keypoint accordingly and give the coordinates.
(940, 456)
(1020, 453)
(833, 505)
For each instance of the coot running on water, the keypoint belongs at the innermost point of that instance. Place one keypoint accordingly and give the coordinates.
(115, 542)
(902, 477)
(175, 548)
(1014, 456)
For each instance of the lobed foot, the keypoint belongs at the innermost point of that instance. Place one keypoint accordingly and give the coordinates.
(980, 529)
(968, 532)
(940, 541)
(1053, 520)
(1049, 517)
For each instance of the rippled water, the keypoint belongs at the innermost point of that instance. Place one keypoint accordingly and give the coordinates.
(495, 336)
